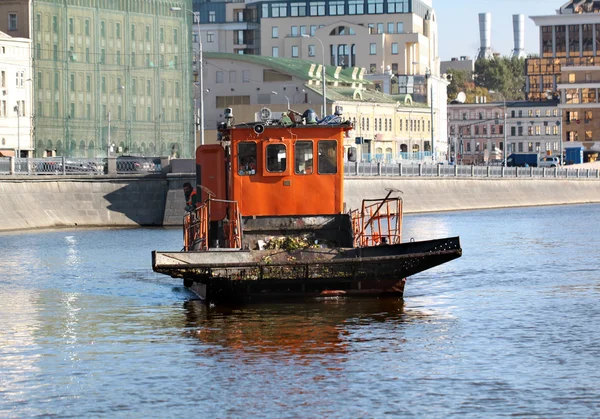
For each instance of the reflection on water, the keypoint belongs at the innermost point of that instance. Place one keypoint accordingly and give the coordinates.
(309, 328)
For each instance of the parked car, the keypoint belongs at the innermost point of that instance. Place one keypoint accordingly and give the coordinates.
(549, 161)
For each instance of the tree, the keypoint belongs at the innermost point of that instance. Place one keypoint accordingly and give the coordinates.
(503, 75)
(462, 81)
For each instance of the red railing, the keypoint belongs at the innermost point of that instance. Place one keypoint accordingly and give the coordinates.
(378, 222)
(196, 225)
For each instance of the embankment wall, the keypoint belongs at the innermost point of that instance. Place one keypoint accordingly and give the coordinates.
(155, 200)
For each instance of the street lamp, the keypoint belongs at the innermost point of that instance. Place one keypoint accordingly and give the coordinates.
(200, 72)
(323, 81)
(17, 109)
(428, 77)
(108, 116)
(505, 127)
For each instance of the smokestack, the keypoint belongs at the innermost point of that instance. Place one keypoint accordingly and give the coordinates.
(485, 35)
(519, 33)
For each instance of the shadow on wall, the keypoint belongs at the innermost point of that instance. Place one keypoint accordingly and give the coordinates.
(140, 201)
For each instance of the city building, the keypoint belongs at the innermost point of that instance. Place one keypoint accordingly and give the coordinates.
(463, 63)
(15, 96)
(477, 130)
(569, 69)
(395, 41)
(581, 109)
(387, 128)
(571, 37)
(108, 70)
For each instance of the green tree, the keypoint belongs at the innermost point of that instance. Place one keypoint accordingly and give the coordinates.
(504, 75)
(462, 81)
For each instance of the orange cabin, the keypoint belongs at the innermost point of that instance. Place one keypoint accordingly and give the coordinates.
(274, 170)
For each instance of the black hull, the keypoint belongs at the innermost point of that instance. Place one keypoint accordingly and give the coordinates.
(358, 272)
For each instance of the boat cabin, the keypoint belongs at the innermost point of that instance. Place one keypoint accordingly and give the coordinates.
(273, 169)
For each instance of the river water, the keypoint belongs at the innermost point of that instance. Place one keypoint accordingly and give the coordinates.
(510, 329)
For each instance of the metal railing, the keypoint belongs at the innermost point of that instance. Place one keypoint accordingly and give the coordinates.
(128, 165)
(445, 170)
(77, 166)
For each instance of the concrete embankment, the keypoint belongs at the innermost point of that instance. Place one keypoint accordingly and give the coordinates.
(455, 194)
(58, 201)
(155, 200)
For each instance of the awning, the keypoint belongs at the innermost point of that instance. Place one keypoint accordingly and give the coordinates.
(7, 153)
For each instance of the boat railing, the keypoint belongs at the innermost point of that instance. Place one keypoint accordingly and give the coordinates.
(378, 222)
(195, 229)
(196, 226)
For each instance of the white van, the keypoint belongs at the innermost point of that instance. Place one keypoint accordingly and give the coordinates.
(549, 161)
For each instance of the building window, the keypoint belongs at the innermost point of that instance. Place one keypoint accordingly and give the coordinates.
(275, 32)
(356, 7)
(294, 51)
(390, 27)
(317, 8)
(380, 28)
(148, 87)
(71, 25)
(118, 30)
(12, 22)
(219, 77)
(336, 8)
(400, 27)
(373, 49)
(297, 9)
(86, 27)
(302, 30)
(275, 51)
(212, 16)
(311, 50)
(232, 76)
(294, 31)
(375, 6)
(210, 37)
(394, 48)
(279, 10)
(246, 76)
(72, 82)
(133, 32)
(88, 83)
(571, 77)
(103, 29)
(55, 24)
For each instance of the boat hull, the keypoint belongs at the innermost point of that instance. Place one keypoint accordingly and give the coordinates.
(236, 276)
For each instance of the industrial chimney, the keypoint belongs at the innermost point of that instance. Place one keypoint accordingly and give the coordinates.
(485, 35)
(519, 33)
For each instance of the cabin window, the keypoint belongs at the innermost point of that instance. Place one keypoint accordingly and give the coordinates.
(327, 157)
(303, 153)
(276, 158)
(247, 159)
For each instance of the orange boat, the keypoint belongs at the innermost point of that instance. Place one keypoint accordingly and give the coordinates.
(271, 222)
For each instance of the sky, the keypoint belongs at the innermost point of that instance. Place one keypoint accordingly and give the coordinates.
(458, 24)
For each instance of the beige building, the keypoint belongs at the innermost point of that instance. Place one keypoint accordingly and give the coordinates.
(581, 108)
(477, 130)
(15, 96)
(386, 128)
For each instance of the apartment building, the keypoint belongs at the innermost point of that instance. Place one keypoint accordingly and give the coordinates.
(571, 37)
(581, 108)
(477, 131)
(108, 65)
(395, 41)
(387, 128)
(15, 96)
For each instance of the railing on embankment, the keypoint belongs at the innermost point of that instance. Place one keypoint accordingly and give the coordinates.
(141, 165)
(444, 170)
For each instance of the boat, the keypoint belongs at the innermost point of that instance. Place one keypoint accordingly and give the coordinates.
(271, 223)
